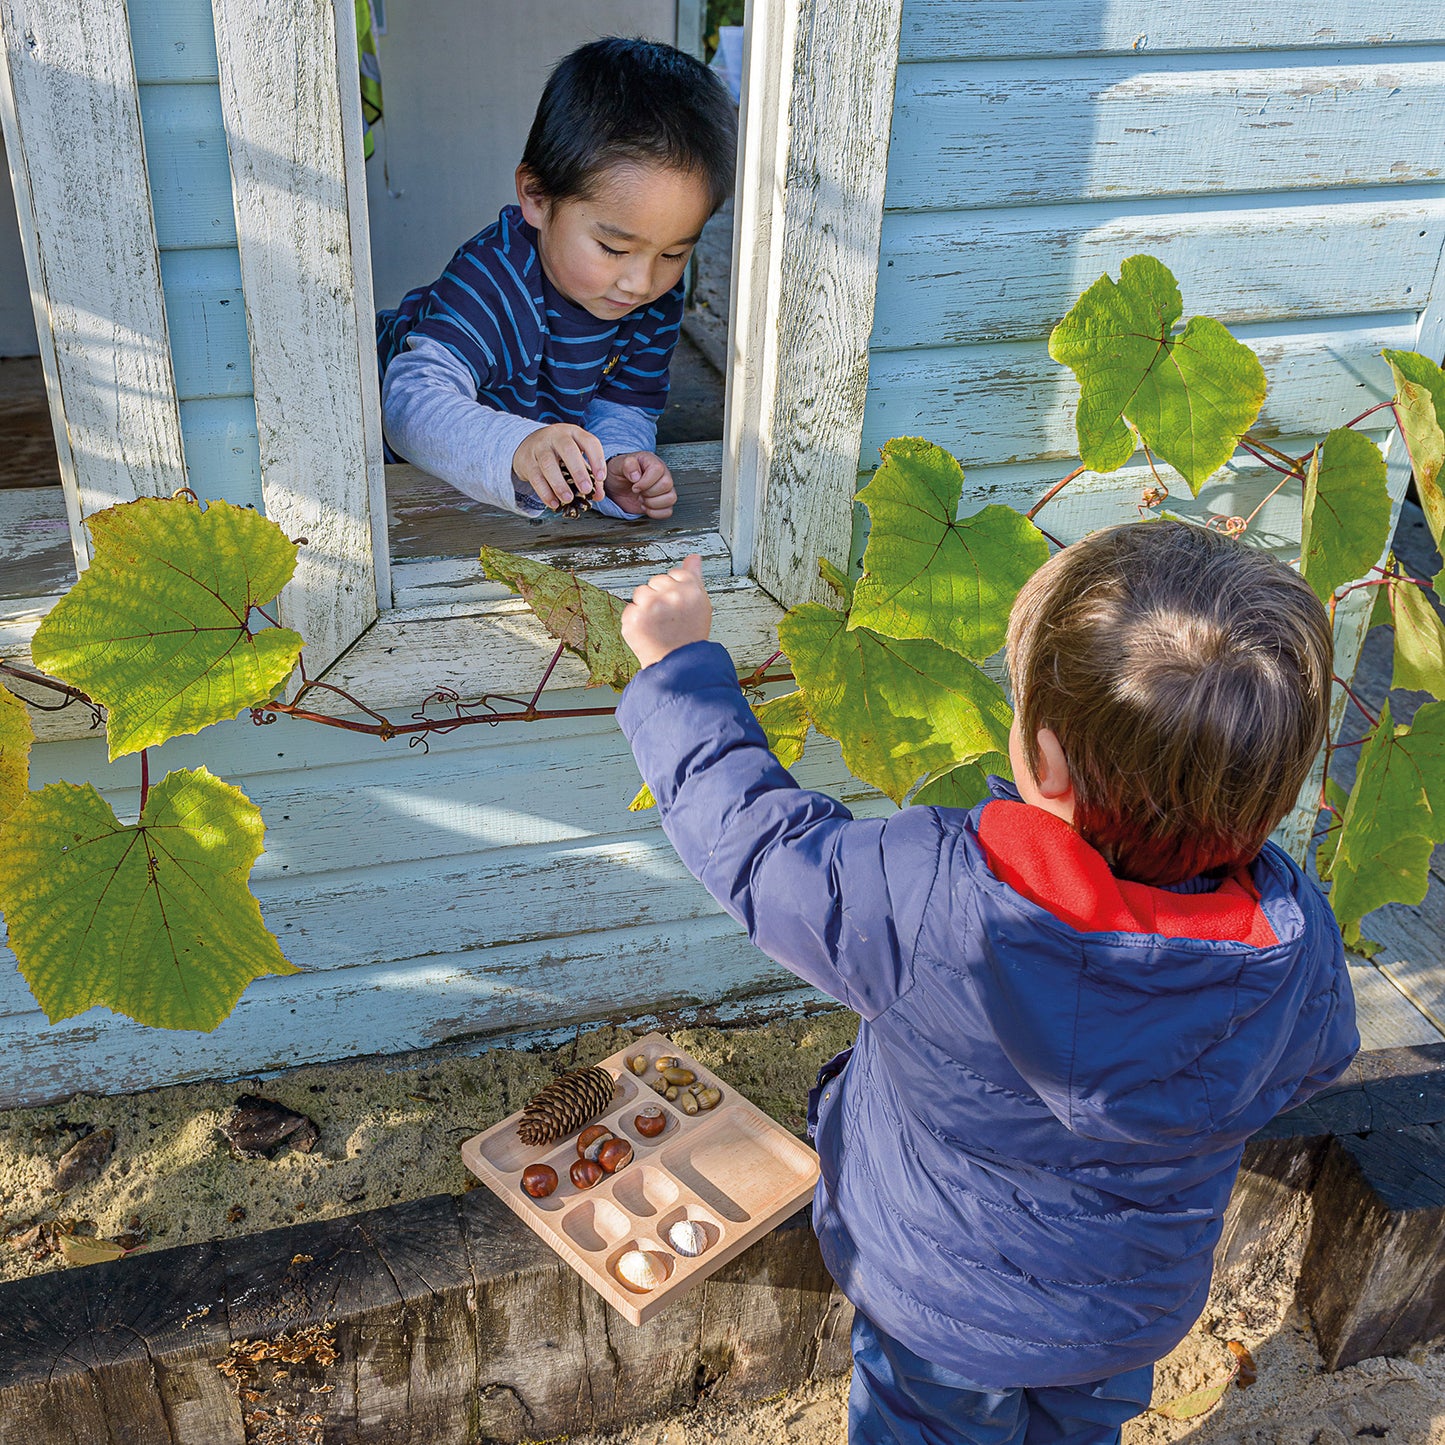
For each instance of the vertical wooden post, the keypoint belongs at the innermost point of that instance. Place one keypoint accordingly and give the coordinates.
(817, 110)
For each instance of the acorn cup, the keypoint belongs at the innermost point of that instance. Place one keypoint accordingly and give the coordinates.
(565, 1104)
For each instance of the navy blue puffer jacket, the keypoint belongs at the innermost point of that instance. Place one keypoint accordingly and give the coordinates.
(1025, 1164)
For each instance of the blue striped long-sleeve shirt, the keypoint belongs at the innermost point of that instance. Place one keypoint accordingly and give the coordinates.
(531, 355)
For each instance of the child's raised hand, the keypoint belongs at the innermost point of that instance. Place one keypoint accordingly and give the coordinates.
(668, 612)
(641, 482)
(542, 455)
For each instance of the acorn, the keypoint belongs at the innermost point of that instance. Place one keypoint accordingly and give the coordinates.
(638, 1064)
(591, 1139)
(688, 1103)
(565, 1104)
(679, 1076)
(586, 1172)
(539, 1180)
(650, 1122)
(708, 1098)
(614, 1154)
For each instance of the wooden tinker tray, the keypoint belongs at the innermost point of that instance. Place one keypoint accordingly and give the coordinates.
(732, 1170)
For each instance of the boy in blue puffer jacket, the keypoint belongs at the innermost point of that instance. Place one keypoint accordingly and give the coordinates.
(1078, 999)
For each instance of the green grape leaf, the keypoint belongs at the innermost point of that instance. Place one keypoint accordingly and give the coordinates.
(1420, 410)
(1395, 816)
(1190, 397)
(154, 920)
(1346, 522)
(786, 722)
(16, 735)
(586, 620)
(899, 708)
(156, 629)
(964, 786)
(1419, 642)
(928, 574)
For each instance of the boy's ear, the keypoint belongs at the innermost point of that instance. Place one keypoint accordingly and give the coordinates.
(1051, 777)
(535, 206)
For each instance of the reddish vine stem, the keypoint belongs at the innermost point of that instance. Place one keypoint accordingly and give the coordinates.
(759, 674)
(1378, 406)
(1369, 717)
(1277, 490)
(1250, 440)
(145, 777)
(1290, 471)
(71, 695)
(537, 693)
(1053, 492)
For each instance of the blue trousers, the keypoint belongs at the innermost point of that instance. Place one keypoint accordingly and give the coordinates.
(899, 1399)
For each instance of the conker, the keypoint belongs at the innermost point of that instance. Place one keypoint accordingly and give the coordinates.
(615, 1154)
(591, 1139)
(539, 1180)
(650, 1122)
(585, 1173)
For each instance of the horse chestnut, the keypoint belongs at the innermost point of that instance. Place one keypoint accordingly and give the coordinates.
(539, 1180)
(615, 1154)
(650, 1122)
(585, 1173)
(591, 1139)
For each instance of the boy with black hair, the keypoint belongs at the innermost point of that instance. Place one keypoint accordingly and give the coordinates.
(536, 365)
(1078, 999)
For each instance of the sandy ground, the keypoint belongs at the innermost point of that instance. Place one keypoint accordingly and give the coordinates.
(389, 1131)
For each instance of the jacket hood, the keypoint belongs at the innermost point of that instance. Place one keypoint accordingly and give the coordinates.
(1211, 1016)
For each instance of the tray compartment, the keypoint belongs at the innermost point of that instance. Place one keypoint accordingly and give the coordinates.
(741, 1160)
(621, 1122)
(711, 1227)
(595, 1225)
(643, 1190)
(664, 1259)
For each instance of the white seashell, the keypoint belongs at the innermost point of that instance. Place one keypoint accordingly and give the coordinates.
(688, 1238)
(641, 1269)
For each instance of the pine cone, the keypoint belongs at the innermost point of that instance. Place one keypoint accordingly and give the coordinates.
(565, 1104)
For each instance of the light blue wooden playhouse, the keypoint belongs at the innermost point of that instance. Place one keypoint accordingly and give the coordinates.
(926, 186)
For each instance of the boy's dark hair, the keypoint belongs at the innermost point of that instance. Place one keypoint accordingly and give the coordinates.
(1187, 677)
(616, 101)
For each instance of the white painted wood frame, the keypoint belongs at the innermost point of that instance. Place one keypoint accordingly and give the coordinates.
(816, 115)
(71, 116)
(293, 129)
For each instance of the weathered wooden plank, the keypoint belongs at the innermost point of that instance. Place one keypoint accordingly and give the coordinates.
(958, 278)
(189, 175)
(1386, 1018)
(206, 312)
(502, 648)
(998, 133)
(1008, 401)
(173, 40)
(281, 100)
(992, 29)
(105, 347)
(222, 449)
(809, 212)
(1373, 1277)
(38, 557)
(1412, 953)
(342, 1013)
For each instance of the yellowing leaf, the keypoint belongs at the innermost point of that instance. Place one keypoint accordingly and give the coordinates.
(964, 786)
(156, 628)
(154, 920)
(928, 574)
(1346, 521)
(1196, 1403)
(785, 721)
(82, 1249)
(583, 618)
(1190, 396)
(1420, 407)
(899, 708)
(1419, 642)
(1395, 817)
(16, 735)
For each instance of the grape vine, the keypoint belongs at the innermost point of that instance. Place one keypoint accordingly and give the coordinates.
(167, 632)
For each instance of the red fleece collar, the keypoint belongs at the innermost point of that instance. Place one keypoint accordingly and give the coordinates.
(1041, 857)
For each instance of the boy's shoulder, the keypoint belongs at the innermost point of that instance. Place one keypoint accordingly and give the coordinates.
(505, 252)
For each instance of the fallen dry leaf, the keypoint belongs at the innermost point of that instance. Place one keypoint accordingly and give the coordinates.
(1248, 1371)
(81, 1249)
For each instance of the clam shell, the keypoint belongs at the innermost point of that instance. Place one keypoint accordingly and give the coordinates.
(641, 1269)
(688, 1238)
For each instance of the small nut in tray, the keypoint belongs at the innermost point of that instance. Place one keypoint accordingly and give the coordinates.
(697, 1174)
